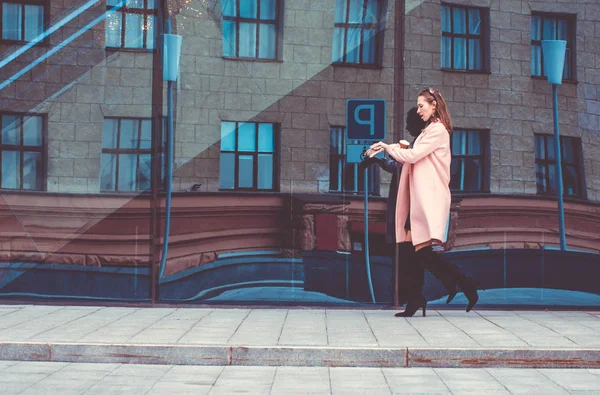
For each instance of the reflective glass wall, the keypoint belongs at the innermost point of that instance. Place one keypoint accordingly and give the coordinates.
(272, 105)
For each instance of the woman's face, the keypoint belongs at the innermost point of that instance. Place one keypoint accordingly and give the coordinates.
(424, 109)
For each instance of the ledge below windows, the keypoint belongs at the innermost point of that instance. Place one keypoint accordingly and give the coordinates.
(463, 71)
(542, 78)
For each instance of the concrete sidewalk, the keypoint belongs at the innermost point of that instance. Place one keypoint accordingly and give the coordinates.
(300, 337)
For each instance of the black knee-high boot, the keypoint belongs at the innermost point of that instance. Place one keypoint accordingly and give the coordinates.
(414, 285)
(450, 275)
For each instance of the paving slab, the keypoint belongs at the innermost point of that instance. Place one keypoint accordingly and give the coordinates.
(300, 337)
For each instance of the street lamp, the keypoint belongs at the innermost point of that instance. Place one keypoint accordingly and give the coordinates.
(554, 59)
(171, 54)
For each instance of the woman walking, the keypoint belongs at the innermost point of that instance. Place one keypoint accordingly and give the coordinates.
(423, 202)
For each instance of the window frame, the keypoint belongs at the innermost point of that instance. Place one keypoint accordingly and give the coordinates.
(571, 42)
(378, 37)
(124, 10)
(43, 149)
(23, 3)
(343, 164)
(485, 158)
(484, 37)
(578, 164)
(278, 22)
(236, 174)
(138, 152)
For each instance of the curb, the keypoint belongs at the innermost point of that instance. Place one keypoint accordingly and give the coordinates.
(300, 356)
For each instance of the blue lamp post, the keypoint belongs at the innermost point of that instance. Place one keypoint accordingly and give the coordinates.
(554, 59)
(171, 55)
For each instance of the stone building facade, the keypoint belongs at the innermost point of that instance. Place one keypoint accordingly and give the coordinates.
(90, 69)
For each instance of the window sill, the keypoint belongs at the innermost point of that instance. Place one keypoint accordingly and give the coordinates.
(257, 60)
(464, 71)
(565, 197)
(541, 78)
(132, 50)
(357, 65)
(44, 43)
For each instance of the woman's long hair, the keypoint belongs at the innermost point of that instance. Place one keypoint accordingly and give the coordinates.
(441, 109)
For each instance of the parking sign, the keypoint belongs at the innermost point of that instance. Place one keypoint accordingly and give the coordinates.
(365, 119)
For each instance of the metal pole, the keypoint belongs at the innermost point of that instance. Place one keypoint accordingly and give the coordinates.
(559, 177)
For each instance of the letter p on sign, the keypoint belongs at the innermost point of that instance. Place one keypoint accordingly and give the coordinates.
(365, 119)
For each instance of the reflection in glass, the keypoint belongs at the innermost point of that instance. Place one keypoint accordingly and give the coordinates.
(337, 53)
(134, 32)
(265, 171)
(267, 10)
(11, 169)
(267, 46)
(248, 40)
(229, 38)
(32, 131)
(32, 171)
(113, 29)
(129, 134)
(108, 172)
(11, 130)
(127, 172)
(460, 53)
(11, 21)
(247, 137)
(34, 21)
(227, 170)
(246, 171)
(266, 140)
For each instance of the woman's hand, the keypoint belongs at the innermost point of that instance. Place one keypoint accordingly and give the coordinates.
(376, 149)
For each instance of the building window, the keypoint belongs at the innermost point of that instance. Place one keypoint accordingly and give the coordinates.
(22, 153)
(22, 20)
(250, 28)
(248, 156)
(469, 167)
(545, 165)
(130, 25)
(356, 33)
(344, 176)
(464, 38)
(552, 27)
(126, 155)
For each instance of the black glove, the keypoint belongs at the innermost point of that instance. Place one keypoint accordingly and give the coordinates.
(369, 161)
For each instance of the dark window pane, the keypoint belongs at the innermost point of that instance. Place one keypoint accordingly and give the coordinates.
(474, 143)
(356, 11)
(536, 22)
(248, 40)
(144, 173)
(247, 137)
(567, 65)
(552, 178)
(549, 29)
(229, 7)
(353, 45)
(474, 21)
(446, 52)
(334, 173)
(109, 133)
(349, 174)
(146, 141)
(456, 166)
(229, 38)
(246, 171)
(265, 171)
(12, 18)
(568, 150)
(459, 16)
(460, 53)
(113, 29)
(563, 29)
(369, 46)
(34, 21)
(228, 136)
(248, 9)
(266, 140)
(268, 9)
(129, 134)
(11, 130)
(472, 175)
(539, 147)
(32, 171)
(337, 52)
(340, 11)
(227, 171)
(127, 172)
(570, 181)
(550, 153)
(536, 60)
(134, 32)
(32, 131)
(475, 54)
(540, 177)
(372, 15)
(108, 172)
(268, 36)
(446, 21)
(11, 169)
(151, 4)
(459, 142)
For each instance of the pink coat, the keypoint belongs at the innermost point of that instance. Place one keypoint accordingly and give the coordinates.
(424, 186)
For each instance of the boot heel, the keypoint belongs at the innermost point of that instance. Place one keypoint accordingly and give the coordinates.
(424, 309)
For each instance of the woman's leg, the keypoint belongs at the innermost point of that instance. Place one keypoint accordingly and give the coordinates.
(450, 275)
(415, 275)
